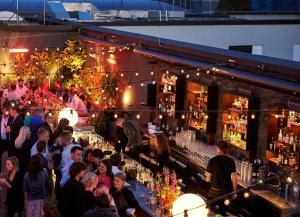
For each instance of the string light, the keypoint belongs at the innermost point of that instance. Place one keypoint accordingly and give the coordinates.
(183, 117)
(198, 74)
(153, 82)
(167, 72)
(227, 202)
(160, 116)
(252, 116)
(246, 194)
(122, 74)
(138, 116)
(182, 71)
(187, 76)
(207, 71)
(115, 115)
(229, 116)
(136, 74)
(142, 84)
(151, 73)
(93, 115)
(129, 86)
(27, 113)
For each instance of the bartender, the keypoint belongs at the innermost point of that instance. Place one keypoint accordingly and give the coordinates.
(221, 172)
(131, 129)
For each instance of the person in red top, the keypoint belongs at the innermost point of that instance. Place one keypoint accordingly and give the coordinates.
(104, 173)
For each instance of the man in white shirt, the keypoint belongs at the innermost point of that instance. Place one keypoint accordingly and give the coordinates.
(21, 88)
(66, 139)
(43, 135)
(76, 156)
(77, 104)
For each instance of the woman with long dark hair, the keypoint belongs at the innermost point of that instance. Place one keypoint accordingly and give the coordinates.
(14, 200)
(104, 173)
(36, 186)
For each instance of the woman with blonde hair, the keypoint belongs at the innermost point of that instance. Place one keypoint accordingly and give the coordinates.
(90, 181)
(23, 145)
(14, 199)
(159, 151)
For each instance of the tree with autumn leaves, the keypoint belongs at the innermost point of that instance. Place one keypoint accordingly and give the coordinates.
(71, 65)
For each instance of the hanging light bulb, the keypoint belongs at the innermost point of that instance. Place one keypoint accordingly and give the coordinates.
(246, 194)
(160, 116)
(167, 72)
(138, 116)
(229, 116)
(117, 88)
(198, 74)
(45, 100)
(152, 73)
(102, 91)
(58, 49)
(227, 202)
(122, 74)
(106, 75)
(207, 71)
(129, 86)
(187, 76)
(142, 84)
(61, 76)
(47, 49)
(198, 69)
(182, 71)
(289, 180)
(153, 82)
(29, 102)
(252, 116)
(93, 115)
(183, 117)
(12, 104)
(27, 113)
(136, 74)
(115, 115)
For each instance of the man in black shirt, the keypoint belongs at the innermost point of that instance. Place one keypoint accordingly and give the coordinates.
(221, 172)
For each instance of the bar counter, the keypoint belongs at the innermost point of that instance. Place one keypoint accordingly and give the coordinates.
(282, 204)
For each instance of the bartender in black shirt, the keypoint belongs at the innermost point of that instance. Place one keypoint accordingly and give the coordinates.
(221, 172)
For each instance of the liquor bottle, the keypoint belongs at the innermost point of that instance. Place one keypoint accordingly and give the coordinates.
(254, 171)
(286, 159)
(280, 154)
(271, 146)
(287, 138)
(291, 139)
(280, 135)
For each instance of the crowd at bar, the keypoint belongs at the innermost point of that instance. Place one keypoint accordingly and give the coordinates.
(209, 140)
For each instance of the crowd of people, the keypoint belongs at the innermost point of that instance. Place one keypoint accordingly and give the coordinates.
(48, 173)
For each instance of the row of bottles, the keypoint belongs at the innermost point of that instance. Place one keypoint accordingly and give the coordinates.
(167, 95)
(240, 103)
(287, 156)
(252, 172)
(286, 137)
(234, 137)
